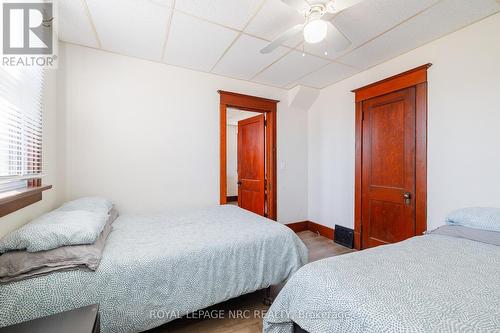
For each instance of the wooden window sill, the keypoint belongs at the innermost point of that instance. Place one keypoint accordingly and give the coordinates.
(16, 199)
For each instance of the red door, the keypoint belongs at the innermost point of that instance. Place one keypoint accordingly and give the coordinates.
(251, 164)
(388, 168)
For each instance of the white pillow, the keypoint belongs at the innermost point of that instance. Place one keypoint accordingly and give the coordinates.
(56, 229)
(91, 204)
(476, 217)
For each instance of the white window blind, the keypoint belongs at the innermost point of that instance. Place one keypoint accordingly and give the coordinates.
(21, 91)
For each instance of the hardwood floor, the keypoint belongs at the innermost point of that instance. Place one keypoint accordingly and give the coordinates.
(244, 314)
(321, 247)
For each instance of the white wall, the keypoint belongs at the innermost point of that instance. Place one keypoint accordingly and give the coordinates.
(147, 134)
(232, 160)
(53, 163)
(463, 132)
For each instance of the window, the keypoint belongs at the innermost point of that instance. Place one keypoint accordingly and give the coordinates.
(20, 127)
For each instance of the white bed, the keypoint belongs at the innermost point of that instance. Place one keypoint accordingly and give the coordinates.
(157, 268)
(447, 281)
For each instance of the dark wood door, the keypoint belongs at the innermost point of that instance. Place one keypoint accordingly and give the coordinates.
(251, 164)
(388, 168)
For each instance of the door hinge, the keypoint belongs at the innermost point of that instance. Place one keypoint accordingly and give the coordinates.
(265, 122)
(362, 115)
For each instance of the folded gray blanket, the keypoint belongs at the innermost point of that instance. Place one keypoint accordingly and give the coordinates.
(478, 235)
(20, 265)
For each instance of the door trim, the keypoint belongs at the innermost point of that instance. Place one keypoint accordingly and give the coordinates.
(416, 77)
(255, 104)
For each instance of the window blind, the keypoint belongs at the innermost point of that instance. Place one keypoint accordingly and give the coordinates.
(21, 90)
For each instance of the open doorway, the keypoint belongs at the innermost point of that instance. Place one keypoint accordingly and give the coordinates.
(248, 153)
(245, 147)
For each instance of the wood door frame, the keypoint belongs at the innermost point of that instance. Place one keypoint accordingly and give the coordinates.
(416, 77)
(255, 104)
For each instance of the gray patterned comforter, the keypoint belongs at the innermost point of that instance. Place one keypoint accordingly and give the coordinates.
(431, 283)
(157, 268)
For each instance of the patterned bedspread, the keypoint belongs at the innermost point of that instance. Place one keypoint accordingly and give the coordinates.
(157, 268)
(430, 283)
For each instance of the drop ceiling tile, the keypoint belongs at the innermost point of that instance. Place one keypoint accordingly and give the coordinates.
(244, 60)
(231, 13)
(195, 43)
(440, 20)
(328, 75)
(131, 27)
(366, 20)
(290, 68)
(75, 26)
(273, 19)
(371, 18)
(168, 3)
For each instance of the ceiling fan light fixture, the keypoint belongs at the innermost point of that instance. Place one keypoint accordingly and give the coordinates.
(315, 31)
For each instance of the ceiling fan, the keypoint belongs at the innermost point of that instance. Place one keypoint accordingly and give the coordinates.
(317, 18)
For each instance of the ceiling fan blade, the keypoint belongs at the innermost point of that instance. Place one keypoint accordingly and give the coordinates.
(299, 5)
(282, 38)
(340, 5)
(339, 41)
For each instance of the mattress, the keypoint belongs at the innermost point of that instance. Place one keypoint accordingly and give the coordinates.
(431, 283)
(156, 268)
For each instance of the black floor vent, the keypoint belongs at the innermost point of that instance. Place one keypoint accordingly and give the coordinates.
(344, 236)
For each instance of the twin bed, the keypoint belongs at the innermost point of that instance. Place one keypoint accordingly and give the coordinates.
(155, 269)
(446, 281)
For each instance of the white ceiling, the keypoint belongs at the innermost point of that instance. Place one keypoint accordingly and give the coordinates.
(224, 36)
